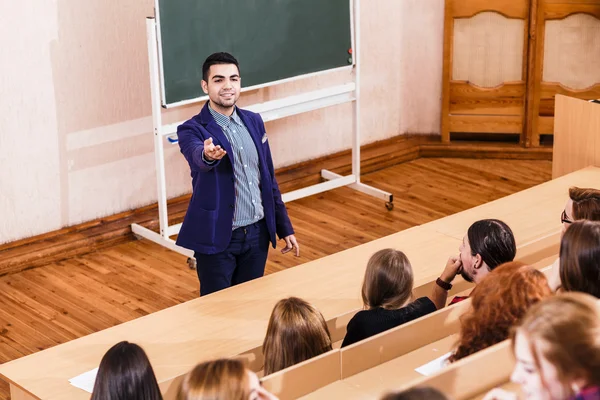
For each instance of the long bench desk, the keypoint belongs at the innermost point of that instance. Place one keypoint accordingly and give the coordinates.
(234, 321)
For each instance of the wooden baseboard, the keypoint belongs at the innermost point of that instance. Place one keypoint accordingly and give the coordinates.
(104, 232)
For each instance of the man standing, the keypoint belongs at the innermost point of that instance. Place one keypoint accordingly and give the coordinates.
(236, 208)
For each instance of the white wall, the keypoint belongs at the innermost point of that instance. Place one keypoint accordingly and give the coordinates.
(75, 124)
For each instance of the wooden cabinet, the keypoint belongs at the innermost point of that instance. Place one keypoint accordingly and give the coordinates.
(504, 61)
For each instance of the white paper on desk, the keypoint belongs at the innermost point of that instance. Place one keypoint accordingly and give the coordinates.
(433, 366)
(85, 381)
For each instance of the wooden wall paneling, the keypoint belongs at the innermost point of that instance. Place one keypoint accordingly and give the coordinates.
(474, 101)
(541, 94)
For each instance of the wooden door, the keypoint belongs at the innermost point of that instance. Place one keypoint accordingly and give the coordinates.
(485, 66)
(566, 59)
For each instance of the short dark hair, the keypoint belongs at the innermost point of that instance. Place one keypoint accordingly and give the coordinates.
(580, 258)
(493, 240)
(421, 393)
(218, 58)
(125, 373)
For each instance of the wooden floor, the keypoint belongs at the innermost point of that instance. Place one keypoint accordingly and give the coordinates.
(58, 302)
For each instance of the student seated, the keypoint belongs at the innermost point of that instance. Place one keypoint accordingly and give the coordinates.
(386, 293)
(297, 331)
(125, 373)
(487, 244)
(557, 350)
(583, 204)
(423, 393)
(224, 379)
(580, 258)
(497, 304)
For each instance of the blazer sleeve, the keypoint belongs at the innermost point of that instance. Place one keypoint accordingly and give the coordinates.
(283, 225)
(191, 144)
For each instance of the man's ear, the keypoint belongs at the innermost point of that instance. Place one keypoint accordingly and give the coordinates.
(478, 261)
(204, 85)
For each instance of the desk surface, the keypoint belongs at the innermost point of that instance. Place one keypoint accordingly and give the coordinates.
(234, 321)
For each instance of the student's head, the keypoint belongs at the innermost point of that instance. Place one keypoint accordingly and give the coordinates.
(422, 393)
(125, 373)
(557, 347)
(224, 379)
(388, 280)
(487, 244)
(497, 304)
(580, 258)
(297, 331)
(583, 203)
(221, 80)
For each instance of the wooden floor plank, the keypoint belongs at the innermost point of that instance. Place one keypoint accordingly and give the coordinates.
(63, 300)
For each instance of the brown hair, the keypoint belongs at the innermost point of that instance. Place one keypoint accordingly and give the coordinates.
(498, 303)
(421, 393)
(580, 258)
(297, 331)
(565, 330)
(388, 280)
(224, 379)
(586, 203)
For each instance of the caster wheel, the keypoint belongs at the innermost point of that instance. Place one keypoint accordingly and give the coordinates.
(137, 237)
(389, 205)
(191, 263)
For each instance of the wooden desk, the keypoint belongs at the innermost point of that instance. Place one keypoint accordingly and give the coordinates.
(576, 135)
(234, 321)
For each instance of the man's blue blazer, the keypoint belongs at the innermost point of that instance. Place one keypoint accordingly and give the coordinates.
(209, 219)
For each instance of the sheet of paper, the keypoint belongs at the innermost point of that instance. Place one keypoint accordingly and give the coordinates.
(85, 381)
(433, 366)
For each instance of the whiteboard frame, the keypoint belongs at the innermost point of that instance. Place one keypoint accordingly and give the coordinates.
(269, 111)
(180, 103)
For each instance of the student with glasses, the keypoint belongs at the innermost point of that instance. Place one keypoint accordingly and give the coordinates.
(583, 204)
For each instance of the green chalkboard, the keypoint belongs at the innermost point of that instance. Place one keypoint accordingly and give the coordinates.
(272, 39)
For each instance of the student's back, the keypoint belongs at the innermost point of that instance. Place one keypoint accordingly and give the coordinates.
(386, 293)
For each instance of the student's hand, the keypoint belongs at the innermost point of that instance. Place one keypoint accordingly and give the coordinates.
(212, 152)
(500, 394)
(290, 244)
(453, 268)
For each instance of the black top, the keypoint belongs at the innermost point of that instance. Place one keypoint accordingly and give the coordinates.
(367, 323)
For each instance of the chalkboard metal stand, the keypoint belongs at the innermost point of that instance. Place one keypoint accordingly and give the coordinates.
(269, 111)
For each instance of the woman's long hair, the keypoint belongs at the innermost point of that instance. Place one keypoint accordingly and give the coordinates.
(125, 373)
(388, 281)
(223, 379)
(297, 331)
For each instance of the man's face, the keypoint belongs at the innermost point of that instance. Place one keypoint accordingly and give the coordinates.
(468, 260)
(223, 85)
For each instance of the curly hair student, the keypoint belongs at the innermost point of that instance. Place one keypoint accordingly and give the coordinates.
(497, 304)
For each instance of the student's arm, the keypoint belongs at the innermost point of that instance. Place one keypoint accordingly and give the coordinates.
(438, 294)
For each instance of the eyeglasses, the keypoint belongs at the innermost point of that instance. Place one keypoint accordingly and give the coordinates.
(564, 219)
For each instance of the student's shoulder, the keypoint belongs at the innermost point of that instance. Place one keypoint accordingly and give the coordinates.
(422, 305)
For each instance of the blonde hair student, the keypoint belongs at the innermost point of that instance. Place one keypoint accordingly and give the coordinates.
(296, 332)
(557, 350)
(223, 379)
(387, 294)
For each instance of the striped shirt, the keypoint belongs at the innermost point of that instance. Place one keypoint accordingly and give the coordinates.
(248, 200)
